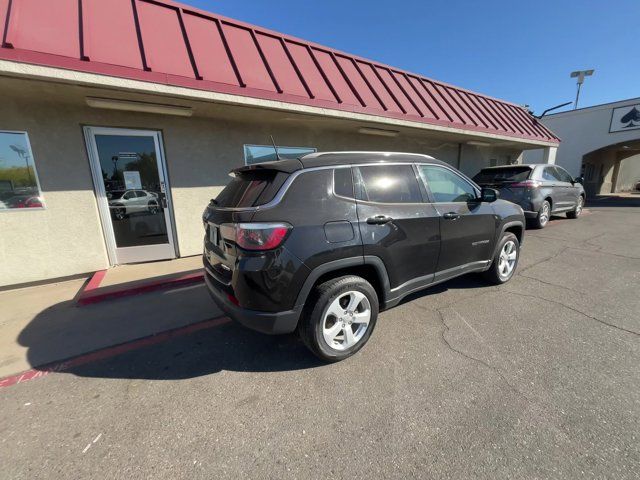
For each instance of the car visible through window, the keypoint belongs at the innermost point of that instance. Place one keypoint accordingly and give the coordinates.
(446, 186)
(500, 175)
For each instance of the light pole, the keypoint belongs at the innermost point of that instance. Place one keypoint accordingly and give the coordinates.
(22, 153)
(580, 74)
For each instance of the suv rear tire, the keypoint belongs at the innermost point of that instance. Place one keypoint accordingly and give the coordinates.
(544, 215)
(505, 261)
(578, 210)
(339, 317)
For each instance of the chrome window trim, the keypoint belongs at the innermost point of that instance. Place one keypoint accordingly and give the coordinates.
(287, 183)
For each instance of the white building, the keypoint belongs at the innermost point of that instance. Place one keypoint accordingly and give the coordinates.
(601, 143)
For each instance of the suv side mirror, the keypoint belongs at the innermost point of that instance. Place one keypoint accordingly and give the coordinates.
(489, 194)
(579, 180)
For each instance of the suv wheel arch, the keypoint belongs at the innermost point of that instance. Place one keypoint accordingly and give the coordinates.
(345, 266)
(515, 227)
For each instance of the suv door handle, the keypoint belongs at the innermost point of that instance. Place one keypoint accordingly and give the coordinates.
(451, 216)
(379, 220)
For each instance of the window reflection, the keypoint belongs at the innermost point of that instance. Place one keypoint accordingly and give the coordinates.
(266, 153)
(135, 196)
(18, 178)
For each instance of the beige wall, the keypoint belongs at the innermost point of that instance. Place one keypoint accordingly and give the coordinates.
(66, 238)
(629, 174)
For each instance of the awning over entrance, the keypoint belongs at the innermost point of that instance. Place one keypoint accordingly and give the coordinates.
(169, 43)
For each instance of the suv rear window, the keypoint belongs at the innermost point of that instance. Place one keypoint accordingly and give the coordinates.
(251, 189)
(499, 175)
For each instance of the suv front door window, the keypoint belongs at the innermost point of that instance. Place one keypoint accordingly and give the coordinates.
(467, 225)
(396, 224)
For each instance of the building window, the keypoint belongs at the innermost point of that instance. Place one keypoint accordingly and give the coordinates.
(19, 187)
(266, 153)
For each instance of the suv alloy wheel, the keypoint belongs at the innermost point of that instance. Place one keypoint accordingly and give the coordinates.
(578, 210)
(340, 318)
(544, 214)
(505, 260)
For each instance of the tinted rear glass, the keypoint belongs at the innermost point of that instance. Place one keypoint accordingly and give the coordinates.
(251, 189)
(507, 174)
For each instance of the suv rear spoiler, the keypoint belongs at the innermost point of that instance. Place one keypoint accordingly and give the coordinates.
(286, 166)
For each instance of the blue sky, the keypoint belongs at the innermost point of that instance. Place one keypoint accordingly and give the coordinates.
(521, 51)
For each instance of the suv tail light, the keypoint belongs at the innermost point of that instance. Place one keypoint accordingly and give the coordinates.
(259, 236)
(527, 183)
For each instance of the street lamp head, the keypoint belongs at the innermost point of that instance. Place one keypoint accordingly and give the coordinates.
(579, 75)
(17, 149)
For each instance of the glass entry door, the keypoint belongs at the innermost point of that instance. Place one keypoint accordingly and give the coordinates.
(133, 194)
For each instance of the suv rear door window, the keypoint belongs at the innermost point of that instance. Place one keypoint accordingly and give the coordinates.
(388, 184)
(502, 175)
(446, 186)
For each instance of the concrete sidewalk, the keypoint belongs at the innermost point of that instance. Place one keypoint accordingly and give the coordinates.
(126, 280)
(44, 324)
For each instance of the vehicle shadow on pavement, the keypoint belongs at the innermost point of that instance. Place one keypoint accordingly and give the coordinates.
(66, 331)
(470, 281)
(229, 347)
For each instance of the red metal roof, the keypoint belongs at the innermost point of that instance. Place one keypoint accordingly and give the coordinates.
(170, 43)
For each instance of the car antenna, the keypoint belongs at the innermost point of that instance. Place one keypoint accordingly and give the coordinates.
(275, 148)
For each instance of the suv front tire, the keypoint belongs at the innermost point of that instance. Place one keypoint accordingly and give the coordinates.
(505, 260)
(339, 317)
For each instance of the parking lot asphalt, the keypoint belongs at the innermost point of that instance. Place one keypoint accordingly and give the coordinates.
(538, 378)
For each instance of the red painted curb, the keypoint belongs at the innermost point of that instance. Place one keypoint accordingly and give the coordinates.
(87, 297)
(95, 281)
(109, 352)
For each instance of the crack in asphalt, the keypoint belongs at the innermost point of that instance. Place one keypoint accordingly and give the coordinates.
(606, 253)
(599, 320)
(544, 260)
(519, 274)
(471, 357)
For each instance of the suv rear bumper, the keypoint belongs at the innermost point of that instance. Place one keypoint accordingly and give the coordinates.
(273, 323)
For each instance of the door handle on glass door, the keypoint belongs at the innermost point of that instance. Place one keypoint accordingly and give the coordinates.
(379, 220)
(451, 216)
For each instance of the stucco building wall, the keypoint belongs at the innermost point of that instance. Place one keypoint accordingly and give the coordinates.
(66, 237)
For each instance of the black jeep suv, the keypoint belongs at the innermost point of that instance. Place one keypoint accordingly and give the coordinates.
(322, 243)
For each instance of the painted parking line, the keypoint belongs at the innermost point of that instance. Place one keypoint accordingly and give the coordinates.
(109, 352)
